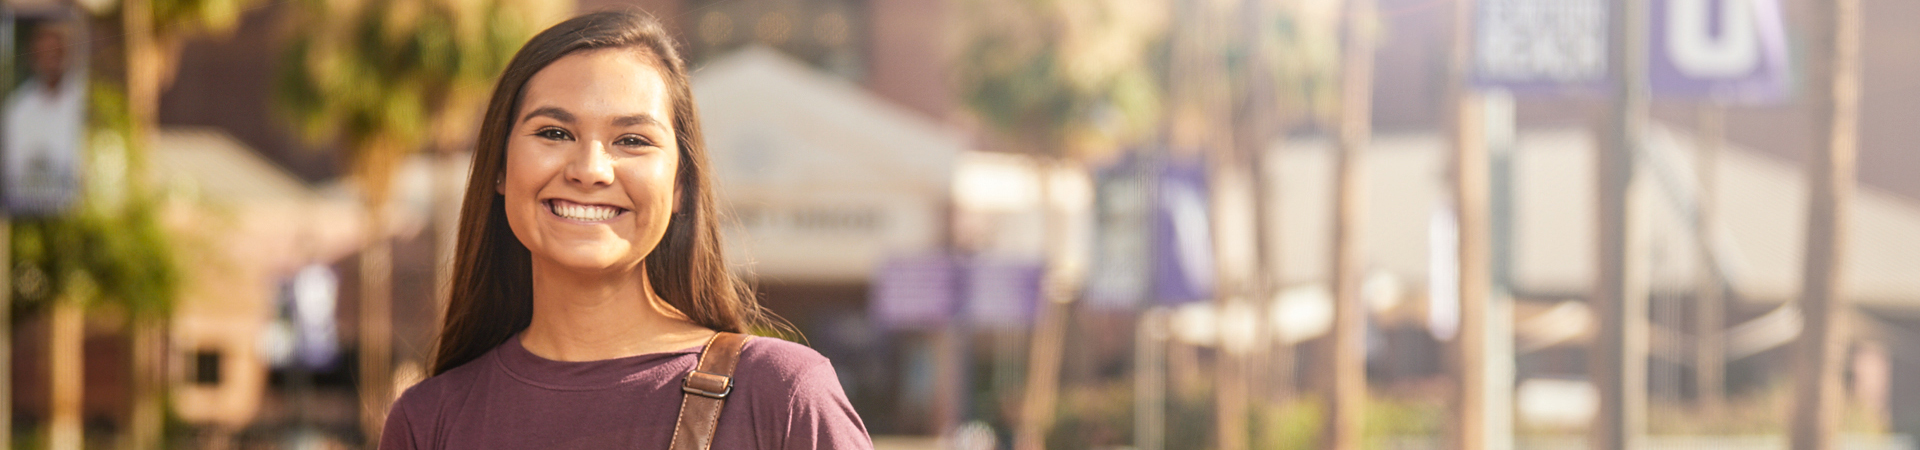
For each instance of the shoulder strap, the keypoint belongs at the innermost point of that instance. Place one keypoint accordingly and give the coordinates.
(706, 389)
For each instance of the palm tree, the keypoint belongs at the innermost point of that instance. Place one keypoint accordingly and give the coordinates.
(1064, 81)
(1348, 366)
(154, 34)
(1472, 191)
(1277, 60)
(1836, 104)
(383, 79)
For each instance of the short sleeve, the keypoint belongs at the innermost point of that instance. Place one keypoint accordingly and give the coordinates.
(819, 415)
(398, 432)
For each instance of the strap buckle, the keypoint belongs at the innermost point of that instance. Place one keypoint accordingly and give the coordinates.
(707, 384)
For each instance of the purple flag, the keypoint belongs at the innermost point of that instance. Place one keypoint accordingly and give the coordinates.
(1726, 50)
(915, 291)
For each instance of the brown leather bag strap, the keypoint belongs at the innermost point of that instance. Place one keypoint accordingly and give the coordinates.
(706, 388)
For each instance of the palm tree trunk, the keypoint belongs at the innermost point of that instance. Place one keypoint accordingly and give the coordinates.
(1349, 365)
(66, 358)
(149, 70)
(149, 339)
(376, 325)
(6, 331)
(1471, 200)
(1050, 327)
(1836, 73)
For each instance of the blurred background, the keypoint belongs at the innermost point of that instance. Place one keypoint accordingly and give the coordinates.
(1074, 224)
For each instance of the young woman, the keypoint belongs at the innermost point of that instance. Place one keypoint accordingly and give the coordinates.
(588, 278)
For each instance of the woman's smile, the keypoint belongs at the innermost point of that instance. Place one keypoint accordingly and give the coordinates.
(583, 212)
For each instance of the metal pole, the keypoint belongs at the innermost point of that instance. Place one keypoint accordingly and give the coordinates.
(1709, 368)
(1618, 357)
(1497, 108)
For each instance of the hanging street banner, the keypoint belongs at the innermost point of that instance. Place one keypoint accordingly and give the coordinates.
(1002, 292)
(1153, 239)
(44, 125)
(1724, 50)
(1183, 269)
(1117, 276)
(1541, 46)
(923, 291)
(1720, 50)
(915, 291)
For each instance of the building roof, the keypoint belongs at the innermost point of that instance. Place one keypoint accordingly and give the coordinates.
(825, 178)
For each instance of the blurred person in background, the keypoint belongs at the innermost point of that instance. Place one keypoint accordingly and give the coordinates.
(44, 117)
(589, 275)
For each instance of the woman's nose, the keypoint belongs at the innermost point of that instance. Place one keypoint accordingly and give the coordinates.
(592, 166)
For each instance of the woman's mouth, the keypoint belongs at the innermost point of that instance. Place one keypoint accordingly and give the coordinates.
(582, 212)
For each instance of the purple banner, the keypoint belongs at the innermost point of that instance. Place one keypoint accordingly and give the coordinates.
(1117, 278)
(916, 291)
(1541, 46)
(1003, 293)
(1724, 50)
(1153, 240)
(1183, 266)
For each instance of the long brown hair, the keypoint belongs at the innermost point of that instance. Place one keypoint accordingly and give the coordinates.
(492, 290)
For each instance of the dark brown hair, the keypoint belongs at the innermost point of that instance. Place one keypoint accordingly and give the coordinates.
(492, 290)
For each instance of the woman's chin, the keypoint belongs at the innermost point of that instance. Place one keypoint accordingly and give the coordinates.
(593, 262)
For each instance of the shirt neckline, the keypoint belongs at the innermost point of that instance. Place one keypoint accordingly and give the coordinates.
(535, 370)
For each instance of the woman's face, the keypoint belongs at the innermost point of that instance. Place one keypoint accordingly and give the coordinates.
(589, 179)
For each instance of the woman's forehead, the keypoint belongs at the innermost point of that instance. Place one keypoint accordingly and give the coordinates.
(601, 84)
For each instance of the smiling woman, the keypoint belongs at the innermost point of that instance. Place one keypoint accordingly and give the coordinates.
(589, 282)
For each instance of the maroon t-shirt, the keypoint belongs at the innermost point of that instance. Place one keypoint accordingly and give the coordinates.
(785, 396)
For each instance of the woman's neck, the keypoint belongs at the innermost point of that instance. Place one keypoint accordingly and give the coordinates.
(590, 317)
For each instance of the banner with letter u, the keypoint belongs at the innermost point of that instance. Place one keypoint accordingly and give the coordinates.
(1721, 50)
(1725, 50)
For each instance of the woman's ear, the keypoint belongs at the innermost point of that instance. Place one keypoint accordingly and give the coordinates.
(500, 184)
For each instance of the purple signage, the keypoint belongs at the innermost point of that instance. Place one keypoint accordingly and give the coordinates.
(1183, 264)
(1153, 240)
(1726, 50)
(931, 290)
(915, 291)
(1541, 46)
(1003, 293)
(1721, 50)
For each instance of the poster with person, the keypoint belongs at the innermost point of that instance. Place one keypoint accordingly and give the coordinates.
(44, 128)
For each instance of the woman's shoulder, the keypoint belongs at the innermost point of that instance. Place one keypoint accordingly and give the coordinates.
(766, 355)
(425, 396)
(412, 417)
(781, 368)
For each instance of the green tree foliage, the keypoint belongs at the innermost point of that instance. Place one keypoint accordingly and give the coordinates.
(1061, 78)
(177, 19)
(1068, 77)
(383, 77)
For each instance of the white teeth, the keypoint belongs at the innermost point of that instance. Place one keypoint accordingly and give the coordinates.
(588, 213)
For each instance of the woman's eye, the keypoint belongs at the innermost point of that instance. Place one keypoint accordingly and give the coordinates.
(553, 134)
(631, 141)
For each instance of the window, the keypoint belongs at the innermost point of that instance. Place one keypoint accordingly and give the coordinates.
(206, 367)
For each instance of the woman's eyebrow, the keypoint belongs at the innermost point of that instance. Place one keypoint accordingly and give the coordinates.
(636, 119)
(550, 111)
